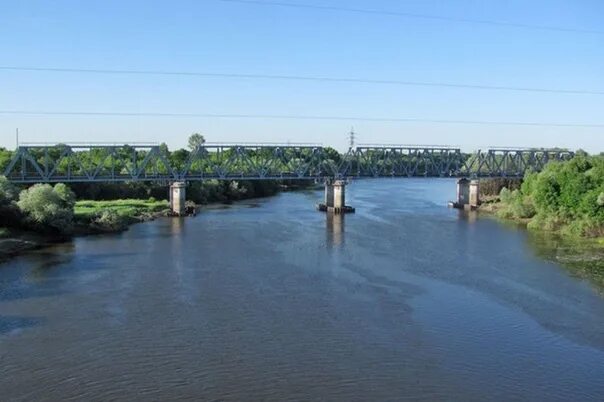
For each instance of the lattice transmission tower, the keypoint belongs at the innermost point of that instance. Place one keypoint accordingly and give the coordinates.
(351, 138)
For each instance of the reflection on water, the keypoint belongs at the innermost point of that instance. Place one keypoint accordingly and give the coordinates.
(335, 229)
(176, 225)
(406, 299)
(468, 216)
(583, 258)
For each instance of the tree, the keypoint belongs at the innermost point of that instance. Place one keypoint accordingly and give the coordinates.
(10, 215)
(8, 193)
(48, 207)
(179, 158)
(164, 150)
(196, 140)
(5, 157)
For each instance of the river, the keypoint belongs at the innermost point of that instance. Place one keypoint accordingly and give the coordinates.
(272, 300)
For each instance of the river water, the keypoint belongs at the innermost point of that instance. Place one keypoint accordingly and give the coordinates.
(272, 300)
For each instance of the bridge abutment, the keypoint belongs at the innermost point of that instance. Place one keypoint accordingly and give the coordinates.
(335, 198)
(178, 198)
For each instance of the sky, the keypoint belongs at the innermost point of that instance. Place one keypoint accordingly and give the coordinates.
(226, 37)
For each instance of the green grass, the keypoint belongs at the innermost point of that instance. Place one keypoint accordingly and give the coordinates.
(4, 232)
(127, 208)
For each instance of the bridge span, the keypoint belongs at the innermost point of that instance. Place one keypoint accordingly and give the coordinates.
(111, 163)
(72, 163)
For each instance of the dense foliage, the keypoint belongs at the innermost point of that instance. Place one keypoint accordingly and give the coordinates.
(10, 215)
(5, 157)
(48, 207)
(492, 187)
(566, 196)
(90, 210)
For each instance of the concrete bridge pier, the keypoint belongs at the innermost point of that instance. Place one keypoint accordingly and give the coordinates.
(335, 198)
(468, 194)
(178, 198)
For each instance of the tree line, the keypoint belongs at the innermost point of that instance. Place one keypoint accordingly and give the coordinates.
(47, 208)
(565, 196)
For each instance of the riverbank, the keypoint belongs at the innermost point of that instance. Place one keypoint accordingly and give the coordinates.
(90, 217)
(581, 256)
(14, 242)
(562, 210)
(508, 212)
(115, 215)
(43, 214)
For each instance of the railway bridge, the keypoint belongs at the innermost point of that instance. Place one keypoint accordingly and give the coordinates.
(73, 163)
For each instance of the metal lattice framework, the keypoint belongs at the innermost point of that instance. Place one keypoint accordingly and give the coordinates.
(403, 161)
(502, 162)
(141, 162)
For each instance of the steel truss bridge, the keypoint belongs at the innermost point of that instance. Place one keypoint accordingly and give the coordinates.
(71, 163)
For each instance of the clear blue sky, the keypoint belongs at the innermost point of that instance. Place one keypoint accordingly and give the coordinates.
(222, 37)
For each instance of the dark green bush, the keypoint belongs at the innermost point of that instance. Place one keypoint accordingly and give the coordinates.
(47, 207)
(566, 196)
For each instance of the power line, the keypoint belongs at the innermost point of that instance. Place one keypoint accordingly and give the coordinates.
(304, 78)
(414, 15)
(301, 117)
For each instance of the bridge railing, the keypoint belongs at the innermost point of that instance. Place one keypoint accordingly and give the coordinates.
(149, 162)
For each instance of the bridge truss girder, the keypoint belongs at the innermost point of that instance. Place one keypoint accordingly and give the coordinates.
(511, 162)
(382, 161)
(120, 163)
(88, 163)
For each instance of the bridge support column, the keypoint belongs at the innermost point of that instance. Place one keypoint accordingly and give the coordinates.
(474, 193)
(335, 198)
(468, 194)
(178, 198)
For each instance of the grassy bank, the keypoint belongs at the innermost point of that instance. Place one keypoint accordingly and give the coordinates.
(89, 217)
(511, 208)
(129, 208)
(109, 216)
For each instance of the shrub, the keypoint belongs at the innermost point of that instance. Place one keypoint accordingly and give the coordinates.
(235, 191)
(566, 196)
(549, 223)
(109, 220)
(9, 212)
(494, 186)
(505, 195)
(8, 192)
(516, 205)
(48, 207)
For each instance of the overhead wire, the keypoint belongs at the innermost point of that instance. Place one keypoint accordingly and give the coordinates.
(415, 15)
(301, 117)
(303, 78)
